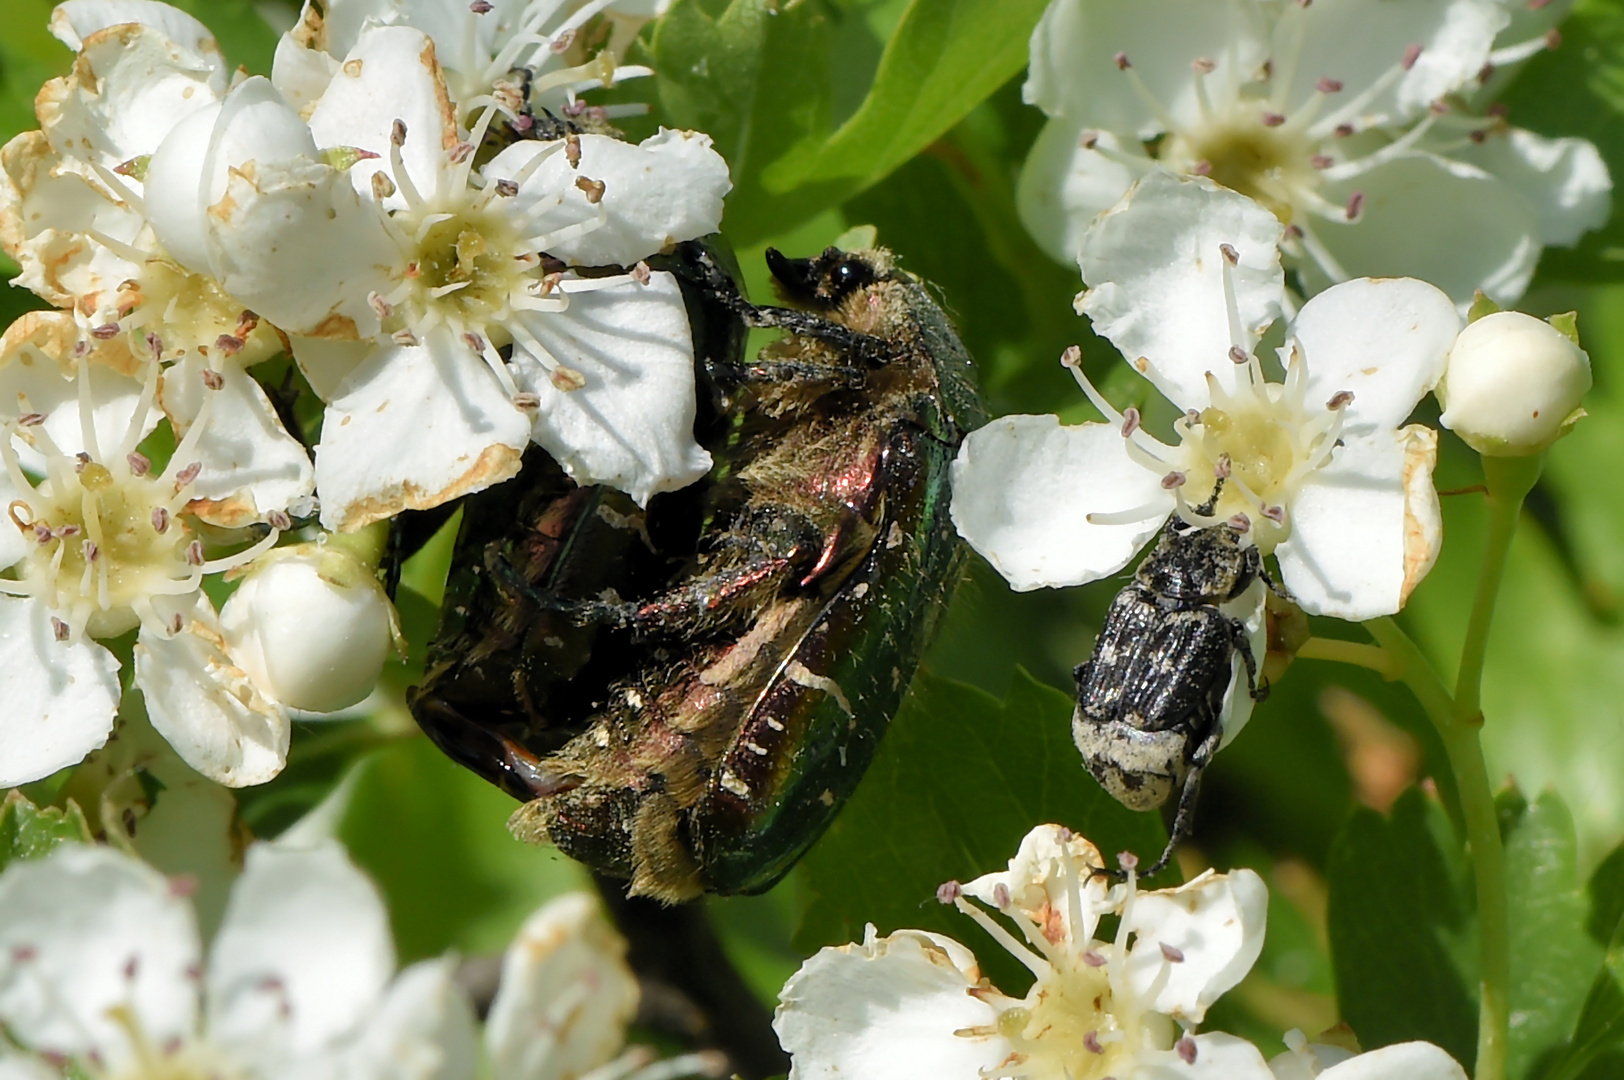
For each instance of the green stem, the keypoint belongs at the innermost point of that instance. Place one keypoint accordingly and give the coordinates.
(1509, 481)
(1373, 657)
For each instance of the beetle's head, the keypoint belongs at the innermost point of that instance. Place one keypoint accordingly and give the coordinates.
(825, 281)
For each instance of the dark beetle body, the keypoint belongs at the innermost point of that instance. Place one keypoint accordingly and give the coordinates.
(686, 695)
(1150, 697)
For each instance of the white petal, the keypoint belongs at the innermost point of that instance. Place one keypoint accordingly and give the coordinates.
(1218, 1056)
(303, 955)
(1564, 180)
(1401, 1061)
(666, 189)
(1366, 528)
(1385, 339)
(1305, 1060)
(631, 424)
(301, 72)
(887, 1007)
(1216, 922)
(1064, 186)
(1041, 878)
(87, 929)
(1440, 221)
(1156, 277)
(15, 1066)
(74, 21)
(1357, 42)
(412, 428)
(390, 75)
(1248, 607)
(327, 362)
(251, 465)
(1023, 487)
(564, 974)
(217, 720)
(423, 1030)
(1074, 48)
(60, 698)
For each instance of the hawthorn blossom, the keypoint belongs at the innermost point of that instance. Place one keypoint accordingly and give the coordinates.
(98, 543)
(1318, 469)
(1342, 119)
(563, 48)
(1303, 1060)
(1513, 383)
(73, 214)
(914, 1004)
(430, 301)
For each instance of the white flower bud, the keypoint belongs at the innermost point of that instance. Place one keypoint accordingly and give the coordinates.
(1513, 384)
(311, 626)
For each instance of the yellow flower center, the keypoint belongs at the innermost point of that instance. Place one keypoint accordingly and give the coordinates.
(1248, 150)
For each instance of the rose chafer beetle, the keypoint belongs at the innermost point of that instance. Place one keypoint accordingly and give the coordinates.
(686, 695)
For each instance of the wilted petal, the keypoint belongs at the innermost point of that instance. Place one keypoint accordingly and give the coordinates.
(74, 21)
(423, 1030)
(410, 429)
(887, 1007)
(1064, 185)
(302, 956)
(1074, 48)
(1564, 180)
(1215, 922)
(564, 973)
(665, 189)
(83, 931)
(1156, 274)
(1401, 1061)
(251, 465)
(631, 424)
(1218, 1056)
(390, 75)
(210, 711)
(1383, 339)
(1023, 487)
(60, 698)
(1366, 528)
(1440, 221)
(1049, 867)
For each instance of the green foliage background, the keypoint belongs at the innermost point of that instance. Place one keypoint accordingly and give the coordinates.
(908, 116)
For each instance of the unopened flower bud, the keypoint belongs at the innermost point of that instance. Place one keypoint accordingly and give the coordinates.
(311, 626)
(1513, 384)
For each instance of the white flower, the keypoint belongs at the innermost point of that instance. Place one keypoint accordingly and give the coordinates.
(1184, 279)
(1331, 115)
(1401, 1061)
(914, 1004)
(479, 46)
(1513, 384)
(312, 625)
(406, 278)
(101, 971)
(73, 214)
(98, 543)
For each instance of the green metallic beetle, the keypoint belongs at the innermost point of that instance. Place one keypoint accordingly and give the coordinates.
(687, 695)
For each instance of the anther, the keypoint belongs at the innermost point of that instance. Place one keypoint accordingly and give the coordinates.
(1241, 523)
(279, 520)
(194, 553)
(31, 419)
(43, 533)
(1322, 161)
(230, 344)
(1553, 38)
(1231, 256)
(156, 345)
(1478, 135)
(1172, 480)
(480, 7)
(91, 551)
(132, 968)
(1221, 468)
(160, 519)
(548, 283)
(1130, 421)
(1411, 54)
(403, 337)
(1171, 953)
(1094, 958)
(1276, 514)
(593, 189)
(1091, 1042)
(507, 188)
(947, 892)
(22, 954)
(522, 123)
(1329, 86)
(1201, 168)
(382, 186)
(188, 474)
(1486, 72)
(527, 401)
(461, 152)
(183, 885)
(1294, 232)
(59, 629)
(80, 460)
(1127, 860)
(213, 379)
(380, 307)
(1072, 357)
(572, 150)
(1000, 896)
(176, 623)
(81, 348)
(474, 341)
(1342, 131)
(1340, 400)
(65, 532)
(1186, 1049)
(1356, 205)
(641, 273)
(1499, 110)
(566, 379)
(1273, 119)
(104, 332)
(1192, 417)
(397, 132)
(1121, 61)
(1238, 354)
(1088, 139)
(1202, 66)
(563, 41)
(1440, 107)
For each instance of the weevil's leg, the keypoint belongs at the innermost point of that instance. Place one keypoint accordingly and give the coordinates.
(1243, 645)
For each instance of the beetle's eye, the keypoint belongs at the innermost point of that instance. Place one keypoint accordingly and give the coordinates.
(849, 276)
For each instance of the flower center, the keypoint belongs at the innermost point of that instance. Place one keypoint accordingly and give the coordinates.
(1065, 1029)
(170, 304)
(181, 1060)
(1247, 150)
(466, 268)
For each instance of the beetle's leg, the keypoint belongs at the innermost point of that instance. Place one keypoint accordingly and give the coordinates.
(486, 753)
(787, 371)
(1254, 563)
(1243, 645)
(1184, 818)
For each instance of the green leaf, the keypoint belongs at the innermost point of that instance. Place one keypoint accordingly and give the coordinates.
(1401, 929)
(1549, 942)
(1600, 1027)
(958, 781)
(30, 832)
(945, 57)
(1578, 90)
